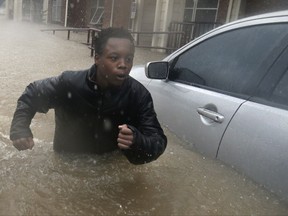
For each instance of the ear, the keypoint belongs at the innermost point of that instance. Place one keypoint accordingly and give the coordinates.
(96, 58)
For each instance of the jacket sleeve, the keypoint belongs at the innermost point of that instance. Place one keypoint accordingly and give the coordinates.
(38, 96)
(149, 139)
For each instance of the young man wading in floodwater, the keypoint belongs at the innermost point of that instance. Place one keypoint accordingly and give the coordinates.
(97, 110)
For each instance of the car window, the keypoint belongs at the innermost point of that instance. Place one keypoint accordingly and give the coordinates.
(231, 61)
(273, 90)
(280, 93)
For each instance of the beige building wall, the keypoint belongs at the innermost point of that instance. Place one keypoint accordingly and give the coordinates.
(45, 8)
(162, 21)
(14, 9)
(178, 10)
(144, 20)
(235, 9)
(17, 10)
(166, 12)
(9, 8)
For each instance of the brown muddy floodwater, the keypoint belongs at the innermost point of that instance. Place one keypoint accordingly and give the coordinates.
(42, 182)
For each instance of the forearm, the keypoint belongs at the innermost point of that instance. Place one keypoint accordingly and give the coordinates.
(20, 126)
(146, 147)
(36, 98)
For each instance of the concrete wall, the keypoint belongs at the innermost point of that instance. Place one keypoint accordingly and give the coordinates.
(9, 9)
(164, 12)
(45, 8)
(17, 10)
(234, 10)
(178, 11)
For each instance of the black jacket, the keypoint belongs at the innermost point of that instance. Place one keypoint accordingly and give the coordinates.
(87, 119)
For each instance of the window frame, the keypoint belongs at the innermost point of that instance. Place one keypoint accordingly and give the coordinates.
(267, 62)
(274, 76)
(94, 10)
(195, 8)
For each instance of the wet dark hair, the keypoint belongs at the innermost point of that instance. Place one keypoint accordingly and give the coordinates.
(102, 37)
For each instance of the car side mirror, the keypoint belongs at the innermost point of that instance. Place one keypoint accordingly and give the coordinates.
(157, 70)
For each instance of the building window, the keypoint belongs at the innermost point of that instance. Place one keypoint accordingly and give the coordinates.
(57, 8)
(97, 11)
(201, 10)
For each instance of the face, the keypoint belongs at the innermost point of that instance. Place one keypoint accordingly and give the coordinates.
(115, 63)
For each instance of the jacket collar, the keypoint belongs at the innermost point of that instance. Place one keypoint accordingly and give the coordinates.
(92, 72)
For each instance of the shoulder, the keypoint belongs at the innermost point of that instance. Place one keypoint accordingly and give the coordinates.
(137, 87)
(73, 78)
(71, 75)
(138, 90)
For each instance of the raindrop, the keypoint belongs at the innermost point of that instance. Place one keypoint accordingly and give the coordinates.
(96, 136)
(107, 124)
(69, 95)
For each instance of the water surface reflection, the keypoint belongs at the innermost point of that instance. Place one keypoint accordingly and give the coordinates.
(42, 182)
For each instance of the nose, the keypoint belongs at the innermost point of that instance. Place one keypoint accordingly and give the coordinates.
(122, 63)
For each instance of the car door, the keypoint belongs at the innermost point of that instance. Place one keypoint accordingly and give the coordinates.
(208, 82)
(256, 141)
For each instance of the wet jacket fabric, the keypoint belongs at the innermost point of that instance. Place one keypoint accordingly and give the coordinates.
(87, 119)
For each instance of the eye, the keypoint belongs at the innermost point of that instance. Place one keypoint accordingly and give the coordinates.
(129, 59)
(113, 58)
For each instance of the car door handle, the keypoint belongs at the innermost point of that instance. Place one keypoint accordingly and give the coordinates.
(211, 114)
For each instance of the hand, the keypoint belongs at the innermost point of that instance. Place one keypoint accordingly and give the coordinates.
(23, 143)
(125, 137)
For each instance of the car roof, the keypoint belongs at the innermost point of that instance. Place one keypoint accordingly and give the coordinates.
(277, 14)
(273, 17)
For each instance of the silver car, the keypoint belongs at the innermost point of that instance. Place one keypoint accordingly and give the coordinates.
(226, 95)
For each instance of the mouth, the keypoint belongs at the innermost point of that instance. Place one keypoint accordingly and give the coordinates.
(121, 76)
